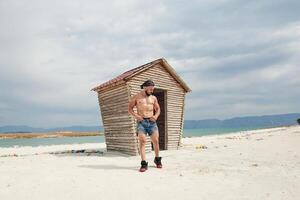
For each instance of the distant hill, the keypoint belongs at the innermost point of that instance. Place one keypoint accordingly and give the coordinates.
(21, 129)
(237, 122)
(247, 122)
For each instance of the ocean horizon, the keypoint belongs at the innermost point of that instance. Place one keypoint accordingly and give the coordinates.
(34, 142)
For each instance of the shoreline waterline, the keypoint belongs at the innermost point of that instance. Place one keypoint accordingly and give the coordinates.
(187, 133)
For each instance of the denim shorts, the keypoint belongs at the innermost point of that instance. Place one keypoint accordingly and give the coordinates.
(146, 126)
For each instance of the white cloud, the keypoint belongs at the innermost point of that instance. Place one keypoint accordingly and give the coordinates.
(234, 55)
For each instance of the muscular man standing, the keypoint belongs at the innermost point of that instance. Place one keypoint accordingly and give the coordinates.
(148, 111)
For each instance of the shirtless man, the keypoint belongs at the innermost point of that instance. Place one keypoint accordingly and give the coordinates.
(148, 111)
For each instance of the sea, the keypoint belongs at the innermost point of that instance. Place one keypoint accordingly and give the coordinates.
(99, 139)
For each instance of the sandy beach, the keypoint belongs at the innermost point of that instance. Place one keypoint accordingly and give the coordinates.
(260, 164)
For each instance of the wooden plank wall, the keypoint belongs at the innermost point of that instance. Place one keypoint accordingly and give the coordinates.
(118, 124)
(175, 101)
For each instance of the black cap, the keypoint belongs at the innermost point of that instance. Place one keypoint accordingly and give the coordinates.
(147, 83)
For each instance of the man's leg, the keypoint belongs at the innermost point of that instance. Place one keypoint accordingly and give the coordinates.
(142, 141)
(154, 139)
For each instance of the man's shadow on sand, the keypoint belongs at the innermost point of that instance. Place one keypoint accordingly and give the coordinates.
(110, 167)
(102, 153)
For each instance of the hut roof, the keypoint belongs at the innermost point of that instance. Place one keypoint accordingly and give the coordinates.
(128, 74)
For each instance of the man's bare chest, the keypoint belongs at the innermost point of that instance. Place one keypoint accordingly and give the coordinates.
(146, 102)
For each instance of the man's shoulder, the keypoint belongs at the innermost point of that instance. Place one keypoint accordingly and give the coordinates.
(154, 97)
(135, 97)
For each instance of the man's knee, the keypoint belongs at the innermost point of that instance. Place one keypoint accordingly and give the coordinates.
(155, 140)
(142, 140)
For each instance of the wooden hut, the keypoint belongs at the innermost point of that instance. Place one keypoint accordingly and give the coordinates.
(120, 126)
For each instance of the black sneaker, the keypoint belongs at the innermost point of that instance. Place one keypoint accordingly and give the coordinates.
(144, 166)
(157, 161)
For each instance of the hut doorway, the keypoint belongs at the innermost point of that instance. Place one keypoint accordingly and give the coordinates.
(162, 119)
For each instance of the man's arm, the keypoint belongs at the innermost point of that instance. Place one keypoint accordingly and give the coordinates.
(131, 105)
(156, 109)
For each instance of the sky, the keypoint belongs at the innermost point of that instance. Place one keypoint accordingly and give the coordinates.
(240, 58)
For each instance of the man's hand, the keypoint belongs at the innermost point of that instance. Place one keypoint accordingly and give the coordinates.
(153, 118)
(139, 118)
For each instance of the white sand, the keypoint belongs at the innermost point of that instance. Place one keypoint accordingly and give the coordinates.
(262, 164)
